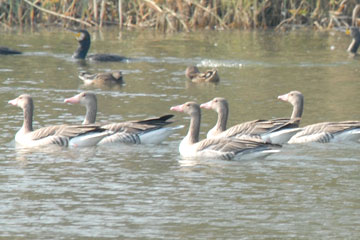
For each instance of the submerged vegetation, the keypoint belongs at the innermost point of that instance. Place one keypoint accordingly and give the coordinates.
(179, 15)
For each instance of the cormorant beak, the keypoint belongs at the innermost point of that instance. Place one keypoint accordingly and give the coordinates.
(76, 32)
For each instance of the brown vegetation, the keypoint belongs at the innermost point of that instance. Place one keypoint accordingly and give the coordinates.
(178, 15)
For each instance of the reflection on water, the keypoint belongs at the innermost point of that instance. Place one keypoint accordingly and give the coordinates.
(305, 191)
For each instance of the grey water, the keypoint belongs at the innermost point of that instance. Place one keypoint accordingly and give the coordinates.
(149, 192)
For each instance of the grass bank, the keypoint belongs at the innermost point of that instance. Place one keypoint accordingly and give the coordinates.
(179, 15)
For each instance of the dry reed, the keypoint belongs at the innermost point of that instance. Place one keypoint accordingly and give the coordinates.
(178, 15)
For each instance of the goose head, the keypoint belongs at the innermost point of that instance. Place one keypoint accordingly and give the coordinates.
(88, 100)
(84, 98)
(23, 101)
(296, 99)
(217, 104)
(293, 97)
(190, 108)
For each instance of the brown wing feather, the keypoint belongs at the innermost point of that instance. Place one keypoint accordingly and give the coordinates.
(63, 130)
(257, 127)
(139, 126)
(330, 127)
(129, 127)
(232, 145)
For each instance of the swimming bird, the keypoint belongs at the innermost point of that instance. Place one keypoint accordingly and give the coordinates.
(83, 37)
(325, 131)
(8, 51)
(355, 43)
(99, 79)
(193, 73)
(277, 130)
(61, 135)
(222, 148)
(147, 131)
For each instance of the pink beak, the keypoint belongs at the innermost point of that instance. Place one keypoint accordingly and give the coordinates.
(74, 99)
(206, 105)
(178, 108)
(13, 102)
(284, 97)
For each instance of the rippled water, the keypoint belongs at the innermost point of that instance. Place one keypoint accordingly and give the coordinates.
(150, 192)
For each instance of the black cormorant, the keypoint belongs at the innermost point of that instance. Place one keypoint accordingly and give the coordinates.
(355, 43)
(8, 51)
(83, 38)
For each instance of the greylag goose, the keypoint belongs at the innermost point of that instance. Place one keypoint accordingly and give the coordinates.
(148, 131)
(8, 51)
(193, 73)
(355, 43)
(222, 148)
(61, 135)
(98, 79)
(322, 132)
(277, 131)
(83, 37)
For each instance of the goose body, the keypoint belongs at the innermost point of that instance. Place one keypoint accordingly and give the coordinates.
(61, 135)
(110, 78)
(83, 37)
(222, 148)
(193, 73)
(277, 131)
(148, 131)
(328, 132)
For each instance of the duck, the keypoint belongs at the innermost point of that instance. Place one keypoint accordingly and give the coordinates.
(355, 43)
(193, 73)
(99, 79)
(83, 37)
(147, 131)
(219, 148)
(276, 131)
(55, 135)
(8, 51)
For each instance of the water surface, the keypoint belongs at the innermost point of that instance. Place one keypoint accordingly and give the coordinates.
(150, 192)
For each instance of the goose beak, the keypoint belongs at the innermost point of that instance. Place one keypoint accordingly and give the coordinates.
(206, 105)
(178, 108)
(75, 99)
(284, 97)
(13, 102)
